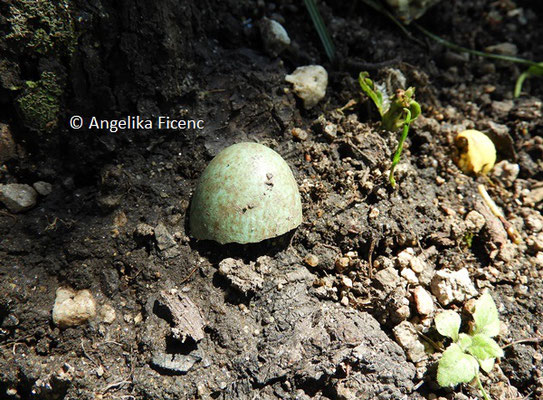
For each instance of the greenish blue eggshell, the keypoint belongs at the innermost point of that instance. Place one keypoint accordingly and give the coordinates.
(245, 195)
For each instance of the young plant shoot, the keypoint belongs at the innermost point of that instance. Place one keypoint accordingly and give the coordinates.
(396, 112)
(461, 361)
(534, 70)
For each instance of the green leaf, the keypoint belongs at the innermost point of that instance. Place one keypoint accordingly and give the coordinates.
(483, 347)
(414, 107)
(320, 27)
(486, 317)
(371, 91)
(464, 341)
(456, 367)
(448, 324)
(534, 70)
(487, 365)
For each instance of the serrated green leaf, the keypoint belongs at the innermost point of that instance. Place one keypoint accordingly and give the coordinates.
(486, 316)
(456, 367)
(483, 347)
(464, 341)
(448, 324)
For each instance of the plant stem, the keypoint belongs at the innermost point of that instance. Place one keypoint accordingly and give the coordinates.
(398, 153)
(520, 81)
(481, 388)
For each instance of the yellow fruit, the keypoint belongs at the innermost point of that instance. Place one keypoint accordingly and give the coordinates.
(477, 152)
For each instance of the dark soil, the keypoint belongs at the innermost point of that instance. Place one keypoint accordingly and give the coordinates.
(280, 328)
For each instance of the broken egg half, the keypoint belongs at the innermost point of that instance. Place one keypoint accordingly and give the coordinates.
(477, 153)
(246, 194)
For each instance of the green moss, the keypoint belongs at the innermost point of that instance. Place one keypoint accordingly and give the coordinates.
(468, 239)
(39, 104)
(44, 27)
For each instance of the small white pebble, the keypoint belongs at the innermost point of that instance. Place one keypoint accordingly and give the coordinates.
(347, 282)
(409, 276)
(403, 312)
(423, 301)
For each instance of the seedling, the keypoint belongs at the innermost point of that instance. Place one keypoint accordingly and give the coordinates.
(396, 112)
(461, 361)
(534, 70)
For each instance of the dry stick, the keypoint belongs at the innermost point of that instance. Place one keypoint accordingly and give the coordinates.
(434, 344)
(115, 385)
(109, 342)
(359, 65)
(190, 274)
(350, 103)
(7, 214)
(513, 234)
(528, 340)
(87, 355)
(370, 256)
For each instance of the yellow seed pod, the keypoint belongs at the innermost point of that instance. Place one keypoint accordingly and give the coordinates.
(477, 152)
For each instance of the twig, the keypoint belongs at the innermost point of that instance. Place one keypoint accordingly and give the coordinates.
(109, 342)
(417, 386)
(513, 234)
(7, 214)
(356, 65)
(17, 341)
(87, 355)
(350, 103)
(190, 274)
(329, 246)
(373, 243)
(527, 340)
(115, 385)
(433, 343)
